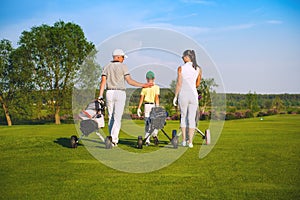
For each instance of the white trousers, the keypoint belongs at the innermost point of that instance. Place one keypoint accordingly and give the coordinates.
(147, 109)
(188, 104)
(115, 101)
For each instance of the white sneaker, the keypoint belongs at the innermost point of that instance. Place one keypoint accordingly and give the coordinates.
(184, 143)
(114, 144)
(191, 145)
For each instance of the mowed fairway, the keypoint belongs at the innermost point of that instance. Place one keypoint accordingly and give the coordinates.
(253, 159)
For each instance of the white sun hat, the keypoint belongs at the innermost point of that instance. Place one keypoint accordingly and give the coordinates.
(119, 52)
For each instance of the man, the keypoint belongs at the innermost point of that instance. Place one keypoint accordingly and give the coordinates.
(113, 77)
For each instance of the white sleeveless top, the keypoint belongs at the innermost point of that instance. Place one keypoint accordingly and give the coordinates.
(189, 78)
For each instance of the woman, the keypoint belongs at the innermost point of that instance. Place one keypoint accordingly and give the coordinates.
(188, 79)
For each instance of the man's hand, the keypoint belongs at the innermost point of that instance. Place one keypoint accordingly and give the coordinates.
(101, 100)
(139, 112)
(146, 85)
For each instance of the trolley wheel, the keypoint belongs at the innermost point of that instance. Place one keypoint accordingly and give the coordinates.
(140, 142)
(73, 141)
(207, 136)
(174, 139)
(108, 142)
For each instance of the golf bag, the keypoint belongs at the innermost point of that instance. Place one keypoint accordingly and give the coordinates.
(157, 120)
(92, 120)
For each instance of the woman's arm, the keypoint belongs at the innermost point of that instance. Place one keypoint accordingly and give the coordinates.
(198, 81)
(179, 82)
(178, 85)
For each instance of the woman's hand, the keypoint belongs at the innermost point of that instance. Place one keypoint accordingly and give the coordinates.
(175, 101)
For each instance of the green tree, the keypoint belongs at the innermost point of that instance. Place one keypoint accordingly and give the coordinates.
(277, 104)
(56, 53)
(15, 84)
(251, 100)
(5, 94)
(205, 91)
(268, 104)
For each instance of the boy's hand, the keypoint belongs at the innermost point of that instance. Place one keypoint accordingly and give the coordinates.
(139, 112)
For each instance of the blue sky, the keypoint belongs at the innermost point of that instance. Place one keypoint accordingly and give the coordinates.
(254, 43)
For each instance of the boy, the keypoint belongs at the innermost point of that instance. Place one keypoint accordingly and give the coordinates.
(150, 97)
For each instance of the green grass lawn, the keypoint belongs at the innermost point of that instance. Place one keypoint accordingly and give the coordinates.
(252, 159)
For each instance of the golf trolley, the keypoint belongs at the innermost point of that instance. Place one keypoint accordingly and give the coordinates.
(92, 120)
(205, 135)
(157, 120)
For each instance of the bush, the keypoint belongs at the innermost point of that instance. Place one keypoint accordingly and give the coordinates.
(249, 114)
(230, 116)
(239, 115)
(175, 117)
(272, 112)
(261, 114)
(205, 115)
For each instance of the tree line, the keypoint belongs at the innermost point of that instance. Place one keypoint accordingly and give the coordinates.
(38, 77)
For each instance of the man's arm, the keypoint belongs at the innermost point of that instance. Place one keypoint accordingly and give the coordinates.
(132, 82)
(102, 85)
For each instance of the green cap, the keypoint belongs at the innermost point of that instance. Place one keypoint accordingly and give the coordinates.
(150, 75)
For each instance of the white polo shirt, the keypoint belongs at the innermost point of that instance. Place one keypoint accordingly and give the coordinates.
(115, 73)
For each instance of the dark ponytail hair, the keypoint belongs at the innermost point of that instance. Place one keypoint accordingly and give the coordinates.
(191, 54)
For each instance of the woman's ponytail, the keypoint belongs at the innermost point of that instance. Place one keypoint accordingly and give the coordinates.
(194, 61)
(191, 54)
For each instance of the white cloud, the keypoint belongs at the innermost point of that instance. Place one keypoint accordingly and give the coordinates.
(274, 22)
(236, 27)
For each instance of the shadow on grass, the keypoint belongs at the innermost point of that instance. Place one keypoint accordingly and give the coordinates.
(64, 142)
(132, 142)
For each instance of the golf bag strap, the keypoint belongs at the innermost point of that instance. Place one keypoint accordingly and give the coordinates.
(87, 114)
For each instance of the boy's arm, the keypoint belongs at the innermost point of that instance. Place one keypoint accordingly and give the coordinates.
(139, 112)
(157, 99)
(157, 92)
(141, 101)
